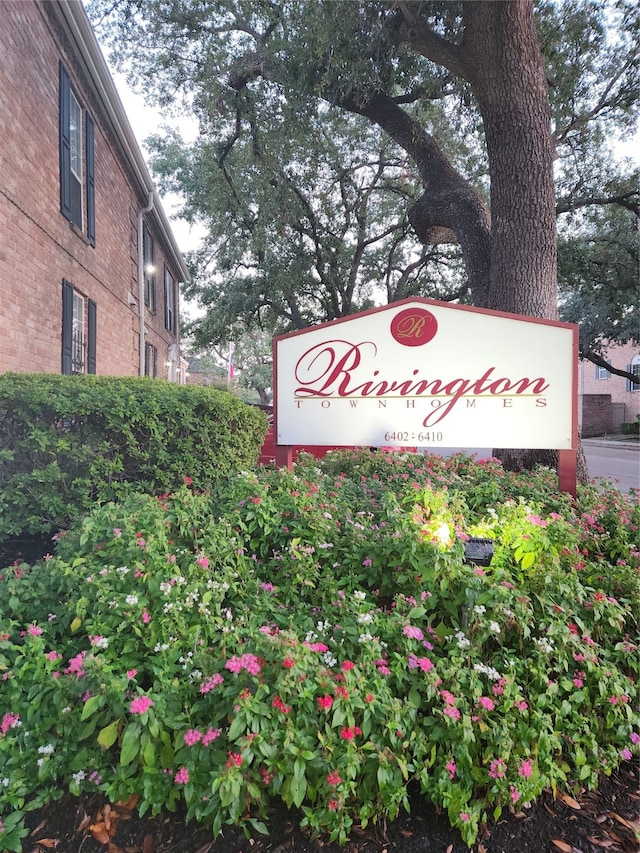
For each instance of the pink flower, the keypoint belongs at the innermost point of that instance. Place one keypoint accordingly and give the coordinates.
(288, 663)
(9, 721)
(497, 769)
(526, 768)
(34, 630)
(451, 767)
(317, 647)
(487, 704)
(203, 561)
(349, 732)
(76, 665)
(412, 632)
(192, 737)
(210, 735)
(626, 754)
(515, 794)
(452, 712)
(248, 662)
(141, 543)
(521, 705)
(465, 817)
(182, 776)
(146, 618)
(414, 662)
(347, 665)
(279, 705)
(333, 805)
(208, 684)
(634, 737)
(325, 702)
(140, 705)
(234, 759)
(448, 698)
(131, 673)
(333, 779)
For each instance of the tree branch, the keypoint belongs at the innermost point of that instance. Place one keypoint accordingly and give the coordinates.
(598, 360)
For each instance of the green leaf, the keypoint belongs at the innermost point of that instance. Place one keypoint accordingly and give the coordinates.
(299, 782)
(528, 560)
(108, 735)
(90, 706)
(130, 744)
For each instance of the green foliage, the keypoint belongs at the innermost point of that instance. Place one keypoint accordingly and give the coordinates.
(630, 427)
(316, 636)
(68, 442)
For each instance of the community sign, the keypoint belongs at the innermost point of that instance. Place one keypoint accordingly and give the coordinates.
(428, 374)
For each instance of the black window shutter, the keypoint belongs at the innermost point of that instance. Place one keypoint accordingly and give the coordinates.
(91, 191)
(67, 328)
(91, 342)
(65, 142)
(630, 385)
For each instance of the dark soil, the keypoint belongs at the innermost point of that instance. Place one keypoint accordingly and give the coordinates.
(603, 820)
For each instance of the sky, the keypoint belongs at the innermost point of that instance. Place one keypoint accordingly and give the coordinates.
(145, 121)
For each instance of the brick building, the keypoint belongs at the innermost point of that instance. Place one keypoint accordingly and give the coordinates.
(607, 400)
(89, 266)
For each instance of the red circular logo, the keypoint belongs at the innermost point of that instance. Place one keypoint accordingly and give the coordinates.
(414, 327)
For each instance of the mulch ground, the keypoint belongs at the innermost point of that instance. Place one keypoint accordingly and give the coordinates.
(593, 821)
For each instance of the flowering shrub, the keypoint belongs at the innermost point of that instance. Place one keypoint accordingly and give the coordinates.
(317, 636)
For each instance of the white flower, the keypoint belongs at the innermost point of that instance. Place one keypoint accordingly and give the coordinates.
(480, 608)
(365, 618)
(79, 776)
(131, 599)
(5, 782)
(329, 659)
(494, 627)
(365, 638)
(40, 762)
(122, 570)
(165, 588)
(46, 750)
(359, 595)
(463, 642)
(489, 671)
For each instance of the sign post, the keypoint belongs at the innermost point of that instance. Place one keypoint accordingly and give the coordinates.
(429, 374)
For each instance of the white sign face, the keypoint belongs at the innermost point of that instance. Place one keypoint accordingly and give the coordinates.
(423, 373)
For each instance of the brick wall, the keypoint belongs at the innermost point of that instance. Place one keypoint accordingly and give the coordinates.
(596, 415)
(38, 246)
(614, 387)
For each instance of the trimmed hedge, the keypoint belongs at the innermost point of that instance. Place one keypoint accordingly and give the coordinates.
(67, 442)
(631, 427)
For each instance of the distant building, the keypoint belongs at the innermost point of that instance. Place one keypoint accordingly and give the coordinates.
(607, 400)
(90, 269)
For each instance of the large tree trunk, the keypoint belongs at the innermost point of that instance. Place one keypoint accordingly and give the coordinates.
(507, 75)
(501, 59)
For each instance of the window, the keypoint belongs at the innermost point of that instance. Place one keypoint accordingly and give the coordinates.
(79, 317)
(150, 360)
(77, 163)
(602, 372)
(634, 368)
(148, 253)
(169, 301)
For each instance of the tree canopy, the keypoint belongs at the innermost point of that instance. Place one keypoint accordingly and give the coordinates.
(357, 152)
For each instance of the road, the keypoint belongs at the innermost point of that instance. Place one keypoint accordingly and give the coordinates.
(615, 462)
